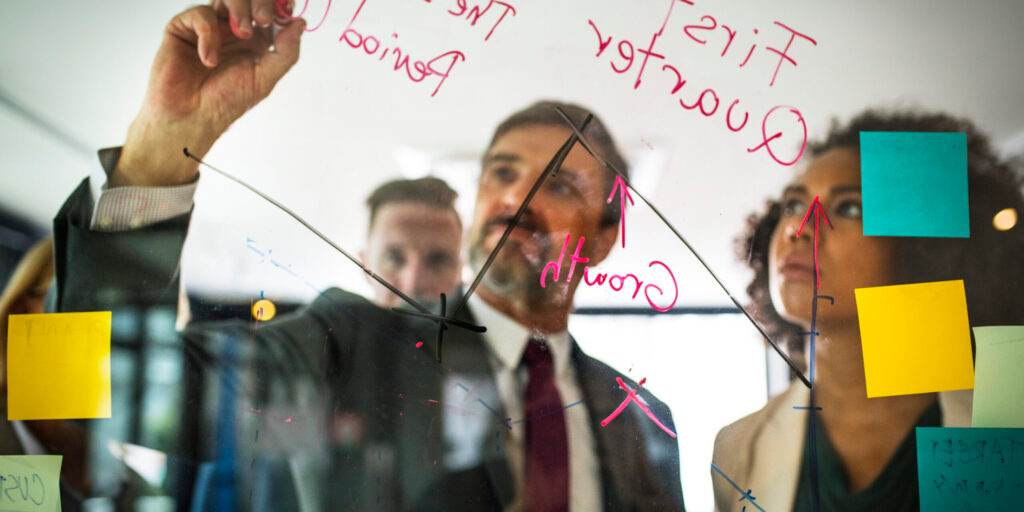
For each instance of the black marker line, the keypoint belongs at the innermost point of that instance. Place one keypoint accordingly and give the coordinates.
(811, 408)
(551, 168)
(308, 226)
(441, 318)
(344, 309)
(609, 165)
(442, 326)
(553, 165)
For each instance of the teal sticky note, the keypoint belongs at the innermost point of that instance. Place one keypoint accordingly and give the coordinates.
(970, 469)
(914, 184)
(998, 384)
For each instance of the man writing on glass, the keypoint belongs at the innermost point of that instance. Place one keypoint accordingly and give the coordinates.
(509, 419)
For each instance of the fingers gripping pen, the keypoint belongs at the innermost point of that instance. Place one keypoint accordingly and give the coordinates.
(282, 16)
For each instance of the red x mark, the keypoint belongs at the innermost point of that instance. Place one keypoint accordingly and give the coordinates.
(632, 398)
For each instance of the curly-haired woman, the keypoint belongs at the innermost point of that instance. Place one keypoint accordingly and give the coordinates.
(865, 447)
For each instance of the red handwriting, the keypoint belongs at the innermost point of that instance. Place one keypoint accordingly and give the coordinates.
(556, 267)
(624, 194)
(475, 13)
(631, 397)
(818, 211)
(282, 16)
(710, 24)
(439, 67)
(765, 139)
(707, 101)
(419, 69)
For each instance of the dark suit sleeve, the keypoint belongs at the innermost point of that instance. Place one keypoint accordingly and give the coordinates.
(239, 382)
(139, 268)
(95, 270)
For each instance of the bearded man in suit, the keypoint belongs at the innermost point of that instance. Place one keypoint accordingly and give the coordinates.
(343, 404)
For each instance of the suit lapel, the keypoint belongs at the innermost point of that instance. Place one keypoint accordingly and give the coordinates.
(470, 383)
(612, 445)
(777, 448)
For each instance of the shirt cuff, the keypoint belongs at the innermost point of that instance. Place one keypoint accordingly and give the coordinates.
(124, 208)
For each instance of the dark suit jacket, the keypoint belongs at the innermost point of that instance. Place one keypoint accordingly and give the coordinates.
(335, 407)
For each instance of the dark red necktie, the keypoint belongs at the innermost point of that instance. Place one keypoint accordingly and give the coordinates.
(547, 445)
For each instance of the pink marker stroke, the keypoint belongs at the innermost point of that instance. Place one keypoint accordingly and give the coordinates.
(817, 210)
(633, 398)
(623, 195)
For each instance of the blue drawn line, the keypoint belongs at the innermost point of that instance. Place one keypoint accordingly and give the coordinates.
(806, 408)
(746, 495)
(253, 249)
(312, 229)
(811, 418)
(549, 413)
(816, 210)
(504, 421)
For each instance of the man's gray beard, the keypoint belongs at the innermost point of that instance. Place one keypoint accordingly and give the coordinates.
(518, 281)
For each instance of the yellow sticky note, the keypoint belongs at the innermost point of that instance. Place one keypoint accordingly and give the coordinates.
(30, 483)
(58, 366)
(998, 384)
(915, 338)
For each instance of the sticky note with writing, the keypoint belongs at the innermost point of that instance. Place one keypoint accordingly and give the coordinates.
(998, 385)
(915, 338)
(30, 483)
(914, 184)
(970, 469)
(58, 366)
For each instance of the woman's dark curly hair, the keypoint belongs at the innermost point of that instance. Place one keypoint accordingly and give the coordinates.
(990, 262)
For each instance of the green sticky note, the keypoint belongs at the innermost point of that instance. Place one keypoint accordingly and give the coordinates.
(914, 184)
(998, 384)
(970, 469)
(30, 483)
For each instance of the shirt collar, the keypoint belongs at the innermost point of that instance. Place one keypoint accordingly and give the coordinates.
(507, 339)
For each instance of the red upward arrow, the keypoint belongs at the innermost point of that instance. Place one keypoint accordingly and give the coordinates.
(819, 211)
(623, 195)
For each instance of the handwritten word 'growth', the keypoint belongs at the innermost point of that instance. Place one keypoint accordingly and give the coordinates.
(555, 267)
(708, 101)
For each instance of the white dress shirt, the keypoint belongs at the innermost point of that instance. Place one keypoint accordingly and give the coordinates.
(507, 341)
